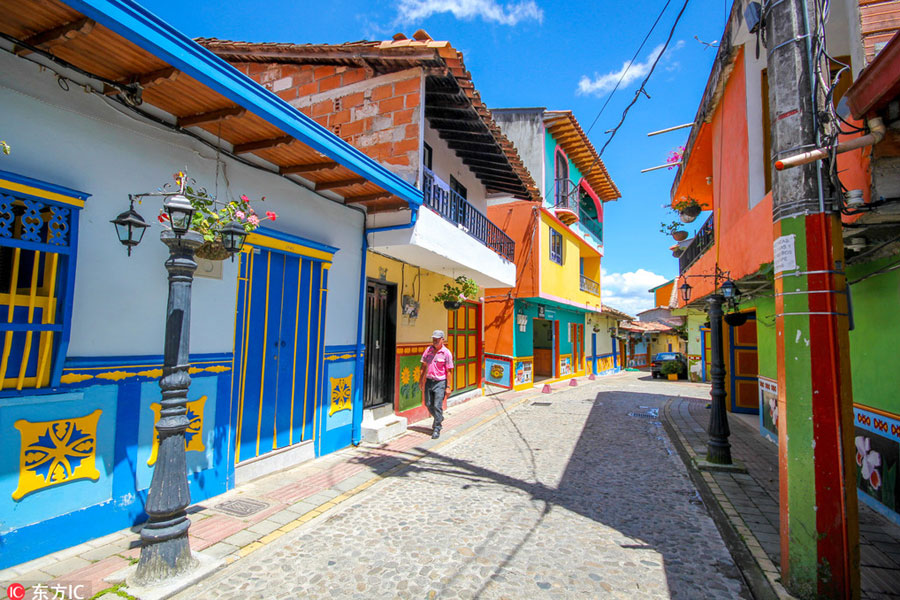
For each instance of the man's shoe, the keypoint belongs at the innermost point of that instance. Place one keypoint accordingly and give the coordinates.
(435, 434)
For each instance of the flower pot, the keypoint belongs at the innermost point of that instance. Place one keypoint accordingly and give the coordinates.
(452, 305)
(679, 236)
(672, 376)
(678, 251)
(736, 319)
(689, 214)
(212, 251)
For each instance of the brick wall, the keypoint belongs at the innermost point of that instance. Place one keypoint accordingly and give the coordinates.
(379, 115)
(879, 20)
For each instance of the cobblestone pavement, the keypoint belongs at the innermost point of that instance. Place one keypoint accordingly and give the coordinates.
(566, 496)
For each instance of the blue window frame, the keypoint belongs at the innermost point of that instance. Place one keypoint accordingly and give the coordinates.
(556, 247)
(38, 241)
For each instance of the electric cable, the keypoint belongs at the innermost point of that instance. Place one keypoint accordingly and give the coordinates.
(630, 64)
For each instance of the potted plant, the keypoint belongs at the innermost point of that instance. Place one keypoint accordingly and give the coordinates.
(671, 369)
(211, 216)
(688, 209)
(453, 295)
(674, 229)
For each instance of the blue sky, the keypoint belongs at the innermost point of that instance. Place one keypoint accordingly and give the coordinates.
(561, 55)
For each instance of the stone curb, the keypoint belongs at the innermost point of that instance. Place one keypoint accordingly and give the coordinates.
(758, 570)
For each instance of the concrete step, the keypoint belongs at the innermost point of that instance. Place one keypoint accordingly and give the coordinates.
(378, 412)
(378, 431)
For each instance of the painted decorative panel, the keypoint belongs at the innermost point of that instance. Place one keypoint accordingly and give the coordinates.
(565, 365)
(498, 371)
(410, 366)
(340, 393)
(56, 455)
(336, 412)
(877, 441)
(193, 436)
(524, 372)
(768, 408)
(56, 452)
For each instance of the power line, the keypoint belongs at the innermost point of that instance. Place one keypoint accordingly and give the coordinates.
(633, 58)
(640, 89)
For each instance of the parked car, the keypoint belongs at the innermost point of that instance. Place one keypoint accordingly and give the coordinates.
(664, 357)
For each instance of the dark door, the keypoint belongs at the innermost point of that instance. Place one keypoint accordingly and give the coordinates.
(381, 331)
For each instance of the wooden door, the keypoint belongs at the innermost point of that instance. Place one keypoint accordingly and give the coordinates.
(380, 343)
(464, 340)
(743, 367)
(277, 352)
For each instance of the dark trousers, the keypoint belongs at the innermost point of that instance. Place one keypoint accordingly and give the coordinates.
(434, 400)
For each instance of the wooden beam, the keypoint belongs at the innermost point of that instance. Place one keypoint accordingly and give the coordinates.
(145, 80)
(57, 35)
(308, 168)
(491, 162)
(212, 116)
(472, 145)
(368, 198)
(262, 144)
(331, 185)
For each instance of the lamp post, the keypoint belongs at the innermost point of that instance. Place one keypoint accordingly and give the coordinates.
(165, 548)
(718, 450)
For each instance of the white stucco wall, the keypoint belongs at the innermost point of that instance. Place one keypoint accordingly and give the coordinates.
(756, 182)
(79, 140)
(444, 163)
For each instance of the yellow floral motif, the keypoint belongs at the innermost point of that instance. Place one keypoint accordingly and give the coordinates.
(340, 393)
(193, 436)
(404, 376)
(116, 375)
(75, 377)
(417, 373)
(54, 452)
(151, 373)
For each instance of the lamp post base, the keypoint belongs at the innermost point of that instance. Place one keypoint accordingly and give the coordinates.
(164, 561)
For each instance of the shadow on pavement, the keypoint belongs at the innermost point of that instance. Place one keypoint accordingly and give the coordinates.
(619, 474)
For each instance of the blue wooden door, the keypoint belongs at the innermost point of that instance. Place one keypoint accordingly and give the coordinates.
(277, 351)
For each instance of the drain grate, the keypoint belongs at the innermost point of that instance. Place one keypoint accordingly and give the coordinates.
(241, 507)
(541, 403)
(650, 413)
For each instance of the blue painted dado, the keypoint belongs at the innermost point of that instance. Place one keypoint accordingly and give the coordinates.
(76, 460)
(336, 410)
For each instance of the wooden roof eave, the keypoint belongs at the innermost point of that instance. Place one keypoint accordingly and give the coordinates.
(202, 90)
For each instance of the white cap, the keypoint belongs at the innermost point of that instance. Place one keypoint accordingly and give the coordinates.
(437, 333)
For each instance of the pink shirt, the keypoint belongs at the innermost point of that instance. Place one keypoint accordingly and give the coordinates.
(437, 362)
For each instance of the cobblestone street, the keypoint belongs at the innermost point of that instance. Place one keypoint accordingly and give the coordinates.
(564, 496)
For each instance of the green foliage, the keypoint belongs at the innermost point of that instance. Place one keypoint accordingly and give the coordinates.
(4, 147)
(686, 204)
(671, 228)
(670, 367)
(465, 287)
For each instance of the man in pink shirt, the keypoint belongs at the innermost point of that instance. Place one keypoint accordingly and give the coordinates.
(437, 375)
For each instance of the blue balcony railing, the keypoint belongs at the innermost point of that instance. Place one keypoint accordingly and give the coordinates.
(455, 208)
(698, 246)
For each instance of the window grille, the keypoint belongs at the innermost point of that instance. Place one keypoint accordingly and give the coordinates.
(37, 261)
(556, 247)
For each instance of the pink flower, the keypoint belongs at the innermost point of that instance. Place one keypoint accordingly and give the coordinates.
(163, 217)
(245, 198)
(239, 214)
(253, 220)
(271, 215)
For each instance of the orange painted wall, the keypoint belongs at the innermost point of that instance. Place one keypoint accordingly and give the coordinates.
(663, 294)
(520, 221)
(743, 235)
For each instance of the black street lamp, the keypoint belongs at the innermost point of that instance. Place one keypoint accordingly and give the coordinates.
(685, 289)
(165, 548)
(130, 227)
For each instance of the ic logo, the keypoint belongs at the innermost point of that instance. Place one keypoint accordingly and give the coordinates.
(15, 591)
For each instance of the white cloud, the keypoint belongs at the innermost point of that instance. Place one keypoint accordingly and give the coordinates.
(628, 292)
(489, 10)
(630, 72)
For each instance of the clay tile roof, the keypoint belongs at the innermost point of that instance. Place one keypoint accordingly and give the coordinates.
(564, 127)
(446, 76)
(608, 310)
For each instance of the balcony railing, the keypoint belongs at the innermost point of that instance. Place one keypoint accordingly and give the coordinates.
(590, 286)
(455, 208)
(567, 195)
(700, 244)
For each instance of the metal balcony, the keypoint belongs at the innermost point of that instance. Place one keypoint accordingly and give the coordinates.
(698, 246)
(590, 286)
(455, 209)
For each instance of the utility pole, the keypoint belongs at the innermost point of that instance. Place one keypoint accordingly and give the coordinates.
(817, 479)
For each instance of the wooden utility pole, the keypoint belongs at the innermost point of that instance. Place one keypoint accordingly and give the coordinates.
(819, 519)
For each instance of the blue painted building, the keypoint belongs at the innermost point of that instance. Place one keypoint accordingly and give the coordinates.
(104, 100)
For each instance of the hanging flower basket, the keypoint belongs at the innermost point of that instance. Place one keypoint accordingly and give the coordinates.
(736, 319)
(212, 251)
(688, 209)
(680, 235)
(688, 217)
(452, 305)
